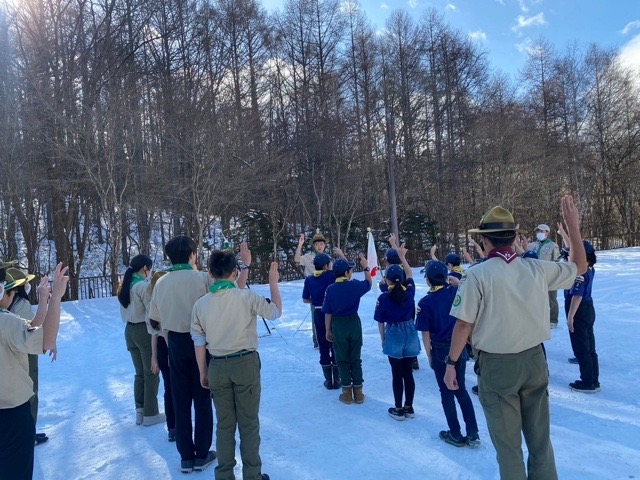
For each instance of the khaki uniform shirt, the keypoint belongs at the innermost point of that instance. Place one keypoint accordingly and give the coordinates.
(16, 341)
(548, 251)
(173, 298)
(22, 308)
(228, 320)
(136, 311)
(508, 303)
(306, 261)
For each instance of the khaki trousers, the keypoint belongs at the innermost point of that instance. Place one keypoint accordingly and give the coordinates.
(514, 397)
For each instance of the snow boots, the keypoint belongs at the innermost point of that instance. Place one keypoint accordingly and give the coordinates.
(347, 395)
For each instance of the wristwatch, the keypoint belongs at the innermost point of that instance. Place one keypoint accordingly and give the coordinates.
(245, 267)
(448, 361)
(366, 269)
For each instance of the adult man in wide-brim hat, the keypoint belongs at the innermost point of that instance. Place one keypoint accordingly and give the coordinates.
(504, 300)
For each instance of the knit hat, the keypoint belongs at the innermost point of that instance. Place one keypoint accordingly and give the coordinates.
(497, 219)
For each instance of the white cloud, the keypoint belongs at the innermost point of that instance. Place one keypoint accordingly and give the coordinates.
(450, 6)
(478, 36)
(523, 6)
(630, 26)
(629, 55)
(413, 3)
(525, 46)
(526, 22)
(384, 6)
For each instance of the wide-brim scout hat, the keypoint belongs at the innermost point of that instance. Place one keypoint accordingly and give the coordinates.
(318, 237)
(10, 282)
(497, 219)
(17, 274)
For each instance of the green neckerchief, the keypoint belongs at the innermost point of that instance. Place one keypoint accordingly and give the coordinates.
(180, 266)
(436, 288)
(540, 244)
(341, 279)
(135, 279)
(221, 285)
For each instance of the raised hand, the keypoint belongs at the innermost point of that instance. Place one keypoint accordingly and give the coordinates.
(60, 281)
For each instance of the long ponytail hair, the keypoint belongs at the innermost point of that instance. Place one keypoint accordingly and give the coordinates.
(136, 264)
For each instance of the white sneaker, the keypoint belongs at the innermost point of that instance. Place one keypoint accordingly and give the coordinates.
(154, 419)
(139, 416)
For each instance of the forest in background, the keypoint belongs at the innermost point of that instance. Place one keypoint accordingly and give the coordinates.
(121, 118)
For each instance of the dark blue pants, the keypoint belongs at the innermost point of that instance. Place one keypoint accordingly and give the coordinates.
(186, 389)
(439, 350)
(163, 362)
(17, 440)
(325, 347)
(583, 342)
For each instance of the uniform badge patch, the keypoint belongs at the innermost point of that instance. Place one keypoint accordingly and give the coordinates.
(457, 300)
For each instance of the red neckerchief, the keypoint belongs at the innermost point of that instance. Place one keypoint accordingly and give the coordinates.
(505, 253)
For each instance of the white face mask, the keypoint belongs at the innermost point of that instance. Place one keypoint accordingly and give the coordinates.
(541, 236)
(27, 288)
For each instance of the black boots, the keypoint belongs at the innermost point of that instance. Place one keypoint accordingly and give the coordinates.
(331, 377)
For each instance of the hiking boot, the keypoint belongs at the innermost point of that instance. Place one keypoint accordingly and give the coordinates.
(456, 441)
(186, 466)
(41, 438)
(415, 365)
(408, 412)
(579, 386)
(473, 439)
(139, 416)
(573, 361)
(396, 413)
(199, 464)
(154, 419)
(347, 395)
(328, 377)
(171, 436)
(358, 396)
(474, 389)
(264, 476)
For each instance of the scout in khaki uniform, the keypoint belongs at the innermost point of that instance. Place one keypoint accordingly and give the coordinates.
(171, 304)
(504, 300)
(18, 338)
(547, 249)
(223, 325)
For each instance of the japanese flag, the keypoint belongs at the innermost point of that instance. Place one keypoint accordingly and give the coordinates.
(372, 256)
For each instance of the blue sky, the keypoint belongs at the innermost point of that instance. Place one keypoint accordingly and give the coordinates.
(505, 28)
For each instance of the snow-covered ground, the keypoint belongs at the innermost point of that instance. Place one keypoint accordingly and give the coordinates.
(87, 409)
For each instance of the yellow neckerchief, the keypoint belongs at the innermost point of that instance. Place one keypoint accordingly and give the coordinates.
(317, 273)
(436, 288)
(391, 287)
(341, 279)
(457, 269)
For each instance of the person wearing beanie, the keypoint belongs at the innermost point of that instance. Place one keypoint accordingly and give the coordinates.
(342, 323)
(436, 324)
(395, 312)
(504, 301)
(319, 244)
(548, 250)
(18, 338)
(313, 292)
